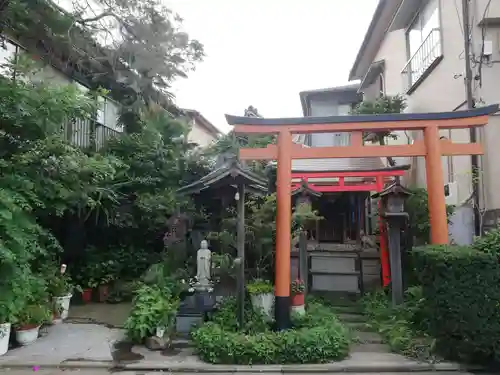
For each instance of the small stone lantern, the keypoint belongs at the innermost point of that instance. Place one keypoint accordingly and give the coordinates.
(392, 211)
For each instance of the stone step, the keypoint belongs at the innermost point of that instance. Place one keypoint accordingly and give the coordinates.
(370, 348)
(341, 299)
(353, 309)
(357, 326)
(367, 337)
(181, 343)
(352, 318)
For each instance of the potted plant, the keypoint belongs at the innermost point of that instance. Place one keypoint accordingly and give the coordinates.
(88, 281)
(7, 318)
(106, 272)
(30, 318)
(261, 295)
(298, 288)
(103, 288)
(61, 288)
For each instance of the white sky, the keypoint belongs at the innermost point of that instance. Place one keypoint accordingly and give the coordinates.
(264, 52)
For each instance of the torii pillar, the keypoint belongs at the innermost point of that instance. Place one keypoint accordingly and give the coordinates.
(283, 225)
(435, 186)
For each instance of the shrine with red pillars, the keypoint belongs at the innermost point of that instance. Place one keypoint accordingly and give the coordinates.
(343, 196)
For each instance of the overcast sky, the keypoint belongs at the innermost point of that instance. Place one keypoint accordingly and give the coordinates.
(264, 52)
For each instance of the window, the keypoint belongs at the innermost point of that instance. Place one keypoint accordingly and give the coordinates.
(423, 42)
(108, 113)
(381, 85)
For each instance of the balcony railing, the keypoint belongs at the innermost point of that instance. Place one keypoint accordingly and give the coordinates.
(426, 55)
(88, 133)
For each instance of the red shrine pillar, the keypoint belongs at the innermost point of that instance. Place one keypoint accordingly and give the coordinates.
(283, 231)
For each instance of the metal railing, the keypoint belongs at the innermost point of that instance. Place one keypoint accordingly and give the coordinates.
(423, 58)
(87, 133)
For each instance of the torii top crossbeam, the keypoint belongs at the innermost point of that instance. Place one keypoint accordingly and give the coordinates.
(432, 148)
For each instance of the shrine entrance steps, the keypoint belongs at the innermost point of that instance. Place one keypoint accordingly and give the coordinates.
(348, 309)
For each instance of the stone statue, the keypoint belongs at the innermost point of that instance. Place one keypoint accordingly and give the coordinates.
(203, 263)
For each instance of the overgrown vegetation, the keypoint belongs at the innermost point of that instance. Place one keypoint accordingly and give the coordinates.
(417, 206)
(453, 313)
(106, 210)
(317, 337)
(400, 326)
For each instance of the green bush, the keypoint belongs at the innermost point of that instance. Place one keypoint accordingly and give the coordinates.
(153, 306)
(317, 337)
(461, 287)
(400, 326)
(489, 243)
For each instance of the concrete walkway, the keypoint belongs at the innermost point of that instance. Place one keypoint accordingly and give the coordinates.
(90, 346)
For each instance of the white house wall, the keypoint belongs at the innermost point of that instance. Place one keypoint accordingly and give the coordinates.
(200, 135)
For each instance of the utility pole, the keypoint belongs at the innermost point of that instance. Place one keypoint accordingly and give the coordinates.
(470, 105)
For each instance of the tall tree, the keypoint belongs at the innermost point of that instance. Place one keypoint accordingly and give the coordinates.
(138, 43)
(379, 106)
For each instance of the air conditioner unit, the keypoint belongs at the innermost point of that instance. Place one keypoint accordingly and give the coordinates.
(451, 193)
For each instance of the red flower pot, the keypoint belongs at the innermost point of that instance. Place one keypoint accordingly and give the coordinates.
(298, 299)
(103, 293)
(87, 295)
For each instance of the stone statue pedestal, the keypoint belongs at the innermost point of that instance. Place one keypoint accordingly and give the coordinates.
(194, 308)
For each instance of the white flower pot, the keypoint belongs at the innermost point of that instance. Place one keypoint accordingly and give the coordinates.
(264, 302)
(299, 310)
(4, 337)
(64, 302)
(27, 336)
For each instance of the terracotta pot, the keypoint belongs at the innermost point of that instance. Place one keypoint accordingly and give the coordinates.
(298, 299)
(103, 293)
(87, 295)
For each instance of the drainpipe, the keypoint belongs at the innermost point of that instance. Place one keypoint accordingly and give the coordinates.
(470, 105)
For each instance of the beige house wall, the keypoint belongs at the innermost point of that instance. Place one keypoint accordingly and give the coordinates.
(443, 90)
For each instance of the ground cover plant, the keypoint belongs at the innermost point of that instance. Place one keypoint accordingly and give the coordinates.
(316, 337)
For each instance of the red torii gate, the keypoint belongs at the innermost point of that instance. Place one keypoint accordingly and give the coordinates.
(432, 148)
(378, 177)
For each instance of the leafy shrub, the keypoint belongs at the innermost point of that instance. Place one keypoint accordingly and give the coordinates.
(400, 326)
(255, 320)
(259, 286)
(317, 337)
(152, 307)
(489, 243)
(417, 206)
(462, 288)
